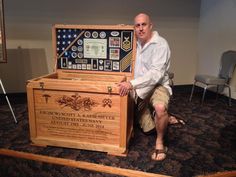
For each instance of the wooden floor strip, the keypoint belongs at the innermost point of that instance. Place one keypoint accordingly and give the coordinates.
(78, 164)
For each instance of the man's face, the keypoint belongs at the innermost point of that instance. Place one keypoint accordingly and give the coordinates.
(143, 28)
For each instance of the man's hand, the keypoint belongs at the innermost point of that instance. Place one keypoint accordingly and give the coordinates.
(124, 88)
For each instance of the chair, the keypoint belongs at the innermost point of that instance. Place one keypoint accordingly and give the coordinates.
(228, 62)
(171, 77)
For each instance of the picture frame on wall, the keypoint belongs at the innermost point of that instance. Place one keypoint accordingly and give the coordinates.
(3, 56)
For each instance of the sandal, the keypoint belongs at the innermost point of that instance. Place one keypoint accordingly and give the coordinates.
(173, 120)
(158, 152)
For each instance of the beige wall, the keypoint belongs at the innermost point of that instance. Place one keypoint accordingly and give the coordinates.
(217, 33)
(28, 32)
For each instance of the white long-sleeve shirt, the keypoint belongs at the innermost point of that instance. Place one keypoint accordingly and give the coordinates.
(151, 66)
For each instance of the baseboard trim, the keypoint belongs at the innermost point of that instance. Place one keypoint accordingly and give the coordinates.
(187, 89)
(78, 164)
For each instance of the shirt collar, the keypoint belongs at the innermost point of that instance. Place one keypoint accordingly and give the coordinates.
(154, 39)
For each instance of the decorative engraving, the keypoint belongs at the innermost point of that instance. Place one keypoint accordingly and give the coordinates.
(46, 96)
(76, 103)
(107, 102)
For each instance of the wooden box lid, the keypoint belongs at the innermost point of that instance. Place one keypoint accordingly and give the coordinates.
(98, 49)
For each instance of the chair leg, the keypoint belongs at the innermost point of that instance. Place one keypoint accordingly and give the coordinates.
(171, 83)
(229, 95)
(217, 92)
(190, 99)
(204, 92)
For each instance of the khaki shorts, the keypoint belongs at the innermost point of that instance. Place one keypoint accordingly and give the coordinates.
(159, 96)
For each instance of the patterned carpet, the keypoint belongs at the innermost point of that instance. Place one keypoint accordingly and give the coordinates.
(205, 144)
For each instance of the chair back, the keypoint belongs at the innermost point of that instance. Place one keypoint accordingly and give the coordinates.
(228, 62)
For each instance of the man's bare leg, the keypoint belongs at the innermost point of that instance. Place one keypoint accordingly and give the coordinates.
(161, 120)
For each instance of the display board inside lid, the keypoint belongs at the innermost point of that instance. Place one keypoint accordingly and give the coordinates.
(89, 49)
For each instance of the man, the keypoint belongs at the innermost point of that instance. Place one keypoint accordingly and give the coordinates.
(151, 81)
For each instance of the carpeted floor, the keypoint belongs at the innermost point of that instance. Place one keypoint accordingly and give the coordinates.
(205, 145)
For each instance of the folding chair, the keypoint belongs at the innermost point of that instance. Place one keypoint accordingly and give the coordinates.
(227, 65)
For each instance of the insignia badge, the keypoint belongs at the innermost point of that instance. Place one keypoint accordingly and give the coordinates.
(95, 34)
(73, 48)
(89, 67)
(84, 66)
(64, 62)
(87, 34)
(79, 66)
(101, 68)
(95, 64)
(73, 55)
(80, 42)
(126, 37)
(102, 34)
(115, 33)
(116, 66)
(80, 55)
(101, 62)
(80, 48)
(74, 66)
(107, 65)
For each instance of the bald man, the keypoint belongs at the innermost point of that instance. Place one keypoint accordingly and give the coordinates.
(151, 82)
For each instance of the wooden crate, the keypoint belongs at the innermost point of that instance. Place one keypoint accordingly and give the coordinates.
(79, 106)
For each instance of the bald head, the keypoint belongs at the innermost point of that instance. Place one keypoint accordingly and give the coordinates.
(143, 28)
(144, 16)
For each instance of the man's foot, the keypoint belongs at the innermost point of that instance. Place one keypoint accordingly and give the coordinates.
(159, 154)
(173, 120)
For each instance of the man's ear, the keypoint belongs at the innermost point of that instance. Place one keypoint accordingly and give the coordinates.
(151, 26)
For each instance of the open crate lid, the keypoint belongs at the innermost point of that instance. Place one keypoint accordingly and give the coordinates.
(105, 49)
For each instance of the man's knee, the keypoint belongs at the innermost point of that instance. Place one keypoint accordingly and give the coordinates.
(160, 110)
